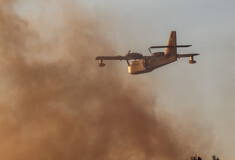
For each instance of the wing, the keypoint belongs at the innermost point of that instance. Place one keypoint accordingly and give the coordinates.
(111, 58)
(187, 55)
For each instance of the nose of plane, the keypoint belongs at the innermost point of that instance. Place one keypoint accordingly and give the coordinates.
(130, 69)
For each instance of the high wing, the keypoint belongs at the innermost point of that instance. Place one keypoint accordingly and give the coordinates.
(186, 55)
(111, 58)
(128, 56)
(101, 58)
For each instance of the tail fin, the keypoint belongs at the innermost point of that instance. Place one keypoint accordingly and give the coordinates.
(172, 51)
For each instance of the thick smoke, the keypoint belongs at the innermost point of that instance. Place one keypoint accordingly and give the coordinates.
(57, 104)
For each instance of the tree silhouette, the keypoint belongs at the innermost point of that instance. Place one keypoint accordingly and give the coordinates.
(215, 157)
(195, 157)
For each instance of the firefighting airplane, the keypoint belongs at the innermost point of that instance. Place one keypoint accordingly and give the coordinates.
(143, 64)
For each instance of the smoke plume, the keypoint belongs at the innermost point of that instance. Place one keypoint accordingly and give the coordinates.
(55, 103)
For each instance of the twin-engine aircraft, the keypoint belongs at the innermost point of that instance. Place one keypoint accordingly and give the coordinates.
(142, 64)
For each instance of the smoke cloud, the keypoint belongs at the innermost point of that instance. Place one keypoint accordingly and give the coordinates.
(55, 103)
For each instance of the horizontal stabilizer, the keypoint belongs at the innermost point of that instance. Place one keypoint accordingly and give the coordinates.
(186, 55)
(169, 46)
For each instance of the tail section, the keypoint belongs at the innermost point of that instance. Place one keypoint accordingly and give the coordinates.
(171, 47)
(172, 51)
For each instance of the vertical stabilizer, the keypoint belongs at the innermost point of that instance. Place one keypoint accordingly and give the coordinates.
(171, 50)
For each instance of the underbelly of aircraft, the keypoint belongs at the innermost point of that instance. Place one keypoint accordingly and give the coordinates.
(142, 68)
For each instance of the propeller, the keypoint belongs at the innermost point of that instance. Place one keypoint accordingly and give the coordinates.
(150, 51)
(127, 59)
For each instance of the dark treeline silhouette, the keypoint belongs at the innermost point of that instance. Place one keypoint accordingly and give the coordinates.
(214, 157)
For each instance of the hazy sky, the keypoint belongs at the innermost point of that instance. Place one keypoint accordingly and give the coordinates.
(204, 91)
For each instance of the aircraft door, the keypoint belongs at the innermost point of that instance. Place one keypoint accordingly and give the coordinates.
(144, 62)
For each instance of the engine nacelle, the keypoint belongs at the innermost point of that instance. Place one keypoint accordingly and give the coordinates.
(191, 60)
(101, 64)
(134, 55)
